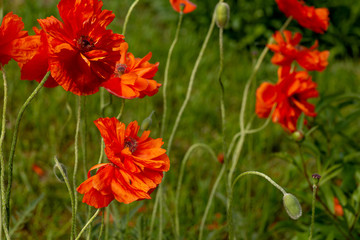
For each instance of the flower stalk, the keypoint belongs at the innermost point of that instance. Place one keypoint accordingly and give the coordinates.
(88, 223)
(76, 162)
(13, 145)
(128, 15)
(239, 146)
(166, 74)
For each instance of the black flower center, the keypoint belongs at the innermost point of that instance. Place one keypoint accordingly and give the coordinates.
(85, 43)
(131, 143)
(120, 69)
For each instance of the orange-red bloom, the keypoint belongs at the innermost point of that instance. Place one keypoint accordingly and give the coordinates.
(10, 30)
(315, 19)
(290, 94)
(82, 53)
(287, 49)
(136, 165)
(338, 208)
(35, 65)
(133, 76)
(188, 6)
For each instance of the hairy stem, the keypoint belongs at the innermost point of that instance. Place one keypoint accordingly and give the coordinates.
(128, 15)
(166, 74)
(13, 145)
(88, 223)
(77, 135)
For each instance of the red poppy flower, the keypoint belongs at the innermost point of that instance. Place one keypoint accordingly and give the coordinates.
(188, 6)
(82, 53)
(10, 30)
(35, 65)
(133, 76)
(315, 19)
(136, 165)
(290, 94)
(287, 50)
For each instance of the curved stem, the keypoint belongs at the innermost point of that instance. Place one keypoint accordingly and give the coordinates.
(241, 141)
(181, 175)
(166, 74)
(71, 193)
(191, 82)
(88, 223)
(222, 93)
(128, 15)
(13, 145)
(261, 175)
(77, 131)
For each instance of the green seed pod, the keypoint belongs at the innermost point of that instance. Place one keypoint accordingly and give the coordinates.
(292, 206)
(222, 14)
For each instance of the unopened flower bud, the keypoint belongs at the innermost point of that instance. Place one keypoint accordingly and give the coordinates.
(146, 124)
(58, 173)
(292, 206)
(222, 14)
(298, 136)
(316, 178)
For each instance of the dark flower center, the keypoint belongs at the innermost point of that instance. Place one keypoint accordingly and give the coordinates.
(85, 43)
(131, 143)
(120, 69)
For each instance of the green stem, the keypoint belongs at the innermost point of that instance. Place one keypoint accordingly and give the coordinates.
(313, 211)
(107, 224)
(211, 197)
(261, 175)
(71, 193)
(121, 109)
(222, 94)
(13, 146)
(128, 15)
(2, 162)
(102, 225)
(166, 74)
(191, 82)
(153, 215)
(87, 224)
(180, 178)
(160, 212)
(76, 147)
(1, 13)
(241, 141)
(88, 235)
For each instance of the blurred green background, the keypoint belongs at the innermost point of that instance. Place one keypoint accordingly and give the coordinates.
(49, 123)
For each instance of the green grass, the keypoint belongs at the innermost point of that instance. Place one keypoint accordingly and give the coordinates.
(49, 124)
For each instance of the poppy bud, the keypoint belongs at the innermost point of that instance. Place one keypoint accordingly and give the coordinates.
(316, 178)
(298, 136)
(222, 14)
(146, 124)
(292, 206)
(59, 174)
